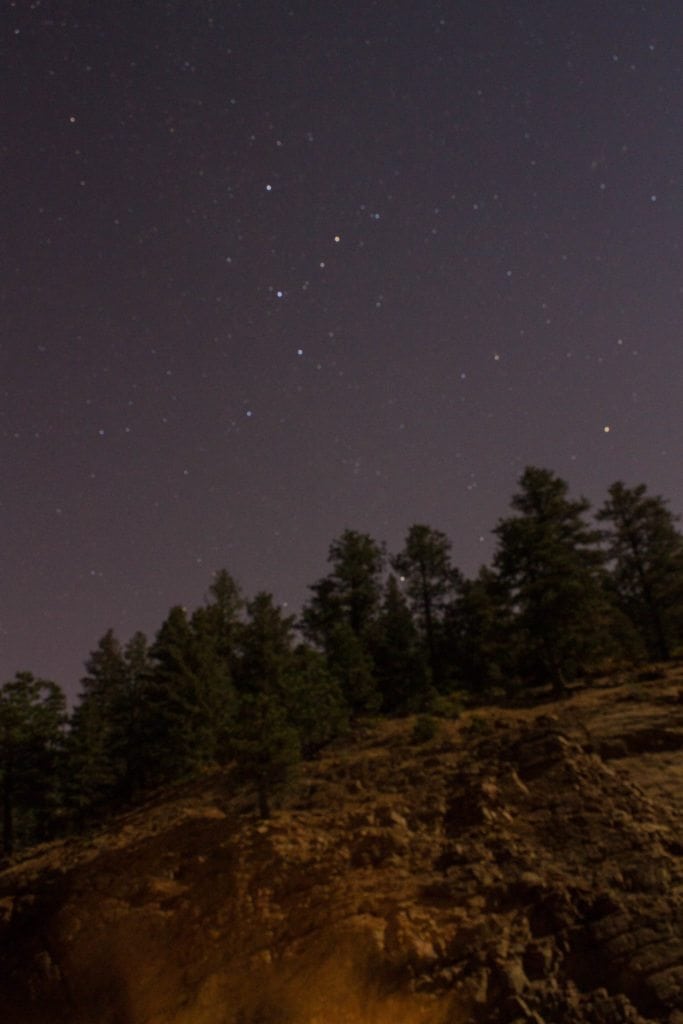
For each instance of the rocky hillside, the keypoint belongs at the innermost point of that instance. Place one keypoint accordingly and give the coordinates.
(521, 866)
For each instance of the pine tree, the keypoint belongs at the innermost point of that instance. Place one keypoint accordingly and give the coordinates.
(549, 561)
(350, 661)
(191, 703)
(129, 737)
(313, 700)
(174, 748)
(289, 704)
(265, 647)
(265, 742)
(266, 748)
(341, 615)
(480, 635)
(94, 770)
(32, 719)
(223, 616)
(106, 741)
(424, 565)
(400, 663)
(291, 675)
(352, 591)
(645, 553)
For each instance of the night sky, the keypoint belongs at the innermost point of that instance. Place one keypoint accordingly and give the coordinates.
(272, 270)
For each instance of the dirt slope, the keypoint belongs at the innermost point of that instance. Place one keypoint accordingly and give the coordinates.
(523, 866)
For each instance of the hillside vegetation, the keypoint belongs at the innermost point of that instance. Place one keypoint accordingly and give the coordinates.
(239, 681)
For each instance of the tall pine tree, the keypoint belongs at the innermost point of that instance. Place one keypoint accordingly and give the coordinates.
(107, 740)
(424, 565)
(400, 663)
(192, 702)
(32, 719)
(265, 743)
(340, 616)
(549, 560)
(94, 768)
(481, 635)
(645, 554)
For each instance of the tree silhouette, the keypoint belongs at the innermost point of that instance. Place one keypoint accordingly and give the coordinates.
(342, 612)
(32, 718)
(400, 663)
(645, 552)
(424, 564)
(549, 561)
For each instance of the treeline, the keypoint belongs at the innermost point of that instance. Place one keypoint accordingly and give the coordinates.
(240, 681)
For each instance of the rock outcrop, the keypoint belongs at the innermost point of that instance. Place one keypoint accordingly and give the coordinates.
(520, 867)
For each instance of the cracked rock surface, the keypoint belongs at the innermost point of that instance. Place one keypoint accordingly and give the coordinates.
(524, 866)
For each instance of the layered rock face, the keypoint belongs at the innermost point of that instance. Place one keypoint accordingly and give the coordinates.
(519, 867)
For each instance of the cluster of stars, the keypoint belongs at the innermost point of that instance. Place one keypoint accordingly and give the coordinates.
(384, 265)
